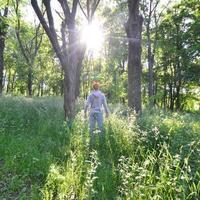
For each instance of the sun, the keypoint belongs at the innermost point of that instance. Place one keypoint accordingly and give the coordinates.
(92, 35)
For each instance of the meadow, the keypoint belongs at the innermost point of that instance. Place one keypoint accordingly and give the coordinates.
(155, 156)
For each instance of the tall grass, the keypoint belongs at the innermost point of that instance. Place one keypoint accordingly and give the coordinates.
(153, 157)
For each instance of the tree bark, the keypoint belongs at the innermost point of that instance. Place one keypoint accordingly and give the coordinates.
(70, 77)
(165, 88)
(134, 30)
(2, 46)
(3, 33)
(78, 73)
(171, 96)
(171, 86)
(30, 81)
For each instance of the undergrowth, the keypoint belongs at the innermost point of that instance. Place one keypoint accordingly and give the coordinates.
(156, 156)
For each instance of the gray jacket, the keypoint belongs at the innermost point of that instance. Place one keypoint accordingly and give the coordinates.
(96, 100)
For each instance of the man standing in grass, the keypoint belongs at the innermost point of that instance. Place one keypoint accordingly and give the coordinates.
(96, 100)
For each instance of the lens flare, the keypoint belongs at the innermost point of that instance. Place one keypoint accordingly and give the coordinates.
(92, 35)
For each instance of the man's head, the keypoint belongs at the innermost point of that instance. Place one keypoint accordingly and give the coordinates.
(96, 85)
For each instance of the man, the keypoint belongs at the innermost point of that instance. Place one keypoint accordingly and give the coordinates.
(96, 100)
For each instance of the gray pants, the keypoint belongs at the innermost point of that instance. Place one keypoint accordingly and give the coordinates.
(96, 117)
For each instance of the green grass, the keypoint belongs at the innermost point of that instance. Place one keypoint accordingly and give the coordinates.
(154, 157)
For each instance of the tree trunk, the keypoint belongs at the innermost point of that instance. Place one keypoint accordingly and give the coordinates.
(38, 89)
(41, 88)
(62, 83)
(134, 30)
(68, 53)
(9, 78)
(72, 74)
(171, 96)
(13, 82)
(165, 96)
(155, 90)
(28, 51)
(78, 82)
(69, 96)
(165, 88)
(178, 69)
(3, 32)
(30, 82)
(150, 68)
(2, 46)
(178, 85)
(150, 9)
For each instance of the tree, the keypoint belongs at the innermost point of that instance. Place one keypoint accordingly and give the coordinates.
(3, 31)
(134, 30)
(149, 12)
(179, 54)
(46, 72)
(28, 48)
(69, 51)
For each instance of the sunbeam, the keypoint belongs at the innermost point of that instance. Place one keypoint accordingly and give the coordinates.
(92, 35)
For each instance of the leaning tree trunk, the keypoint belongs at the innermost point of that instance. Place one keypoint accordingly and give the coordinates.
(134, 30)
(68, 50)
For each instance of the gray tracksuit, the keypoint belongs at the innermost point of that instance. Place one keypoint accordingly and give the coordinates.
(96, 100)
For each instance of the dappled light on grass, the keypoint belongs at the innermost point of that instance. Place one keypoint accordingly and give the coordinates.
(156, 155)
(129, 165)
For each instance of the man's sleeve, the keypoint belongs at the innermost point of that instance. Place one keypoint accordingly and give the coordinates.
(105, 105)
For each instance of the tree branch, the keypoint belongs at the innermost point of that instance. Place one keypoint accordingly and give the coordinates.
(61, 17)
(63, 35)
(74, 9)
(65, 8)
(82, 10)
(91, 7)
(17, 28)
(50, 17)
(88, 10)
(37, 43)
(94, 7)
(53, 40)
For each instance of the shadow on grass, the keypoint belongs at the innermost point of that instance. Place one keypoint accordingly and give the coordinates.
(108, 151)
(32, 138)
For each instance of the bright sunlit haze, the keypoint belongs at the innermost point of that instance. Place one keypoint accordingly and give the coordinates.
(93, 36)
